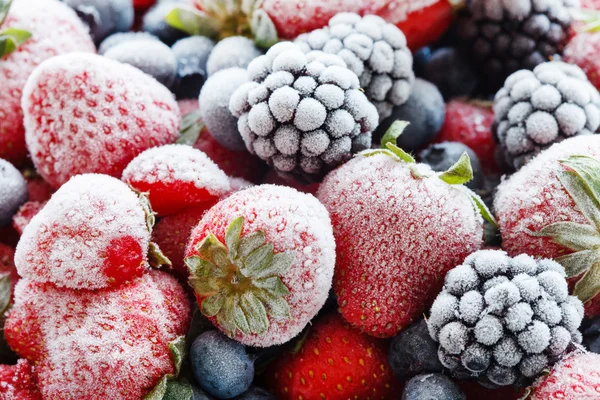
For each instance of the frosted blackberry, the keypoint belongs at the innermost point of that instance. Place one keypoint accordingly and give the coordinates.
(504, 320)
(374, 50)
(504, 36)
(303, 113)
(538, 108)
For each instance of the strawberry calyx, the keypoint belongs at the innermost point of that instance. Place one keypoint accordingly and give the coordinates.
(580, 178)
(5, 292)
(240, 280)
(170, 387)
(191, 128)
(10, 38)
(590, 19)
(219, 20)
(156, 258)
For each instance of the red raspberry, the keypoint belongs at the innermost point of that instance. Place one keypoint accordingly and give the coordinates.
(471, 125)
(86, 113)
(102, 344)
(266, 255)
(582, 50)
(399, 228)
(91, 234)
(55, 29)
(27, 211)
(18, 382)
(39, 189)
(176, 177)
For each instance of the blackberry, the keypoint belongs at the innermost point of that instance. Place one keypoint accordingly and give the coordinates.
(538, 108)
(413, 352)
(303, 113)
(504, 320)
(374, 50)
(504, 36)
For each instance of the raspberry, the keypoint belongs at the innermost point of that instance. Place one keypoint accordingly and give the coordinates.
(91, 234)
(55, 30)
(176, 176)
(111, 112)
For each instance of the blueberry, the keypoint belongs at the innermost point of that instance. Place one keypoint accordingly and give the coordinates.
(451, 73)
(420, 60)
(13, 192)
(425, 110)
(154, 23)
(198, 394)
(191, 54)
(591, 334)
(256, 393)
(235, 51)
(122, 37)
(413, 352)
(442, 156)
(221, 365)
(432, 386)
(104, 17)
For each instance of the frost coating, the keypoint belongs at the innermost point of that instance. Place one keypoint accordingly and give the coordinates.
(374, 50)
(302, 113)
(13, 191)
(524, 321)
(70, 240)
(232, 52)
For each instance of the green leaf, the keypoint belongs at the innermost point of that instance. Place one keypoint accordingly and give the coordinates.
(150, 215)
(177, 348)
(461, 172)
(178, 390)
(5, 292)
(198, 266)
(276, 305)
(191, 128)
(11, 38)
(279, 265)
(263, 29)
(274, 285)
(589, 285)
(401, 154)
(393, 133)
(255, 313)
(257, 260)
(571, 235)
(204, 286)
(239, 317)
(232, 236)
(213, 304)
(156, 258)
(374, 152)
(226, 319)
(158, 393)
(192, 21)
(250, 242)
(577, 263)
(4, 7)
(588, 205)
(479, 205)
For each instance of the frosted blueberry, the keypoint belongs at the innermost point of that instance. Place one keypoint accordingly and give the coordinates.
(13, 191)
(232, 52)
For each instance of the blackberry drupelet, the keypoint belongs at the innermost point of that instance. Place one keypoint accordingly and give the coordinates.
(374, 50)
(538, 108)
(504, 36)
(504, 320)
(303, 113)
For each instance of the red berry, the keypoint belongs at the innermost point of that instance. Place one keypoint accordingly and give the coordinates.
(335, 362)
(55, 29)
(18, 382)
(86, 113)
(27, 211)
(39, 189)
(582, 50)
(143, 4)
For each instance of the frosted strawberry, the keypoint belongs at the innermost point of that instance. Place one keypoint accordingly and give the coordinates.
(104, 344)
(176, 176)
(261, 263)
(550, 208)
(55, 29)
(91, 234)
(25, 214)
(39, 190)
(399, 227)
(18, 382)
(86, 113)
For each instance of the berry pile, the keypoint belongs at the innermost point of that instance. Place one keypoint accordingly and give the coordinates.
(294, 200)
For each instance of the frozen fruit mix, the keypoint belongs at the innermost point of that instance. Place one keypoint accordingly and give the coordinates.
(293, 199)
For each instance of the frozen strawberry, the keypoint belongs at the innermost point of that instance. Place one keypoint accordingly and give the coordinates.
(187, 106)
(335, 362)
(399, 227)
(55, 29)
(575, 377)
(471, 124)
(27, 211)
(39, 189)
(86, 113)
(103, 344)
(261, 263)
(546, 211)
(582, 51)
(175, 177)
(91, 234)
(18, 382)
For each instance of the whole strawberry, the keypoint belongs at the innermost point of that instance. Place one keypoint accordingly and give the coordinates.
(549, 210)
(582, 51)
(86, 113)
(103, 344)
(335, 362)
(399, 227)
(261, 263)
(91, 234)
(18, 382)
(55, 29)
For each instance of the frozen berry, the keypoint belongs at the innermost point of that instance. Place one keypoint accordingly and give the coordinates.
(192, 54)
(104, 17)
(582, 51)
(18, 382)
(13, 191)
(155, 24)
(451, 73)
(432, 386)
(232, 52)
(442, 156)
(413, 352)
(25, 214)
(256, 393)
(122, 37)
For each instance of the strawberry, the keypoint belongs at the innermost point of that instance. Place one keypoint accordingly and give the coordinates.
(335, 362)
(590, 4)
(143, 4)
(545, 210)
(261, 263)
(471, 124)
(39, 189)
(399, 227)
(104, 344)
(18, 382)
(27, 211)
(55, 29)
(175, 177)
(86, 113)
(575, 377)
(91, 234)
(582, 51)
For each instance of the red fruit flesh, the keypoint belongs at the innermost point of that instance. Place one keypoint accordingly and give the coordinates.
(124, 260)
